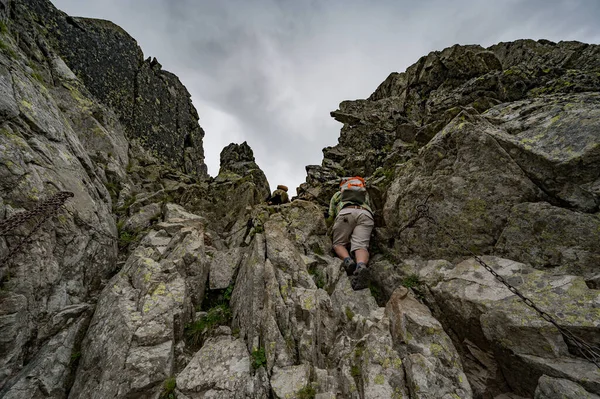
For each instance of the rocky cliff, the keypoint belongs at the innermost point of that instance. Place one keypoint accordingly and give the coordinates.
(151, 104)
(157, 281)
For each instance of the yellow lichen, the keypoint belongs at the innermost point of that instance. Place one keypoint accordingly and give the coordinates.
(386, 363)
(397, 363)
(309, 303)
(27, 104)
(436, 350)
(160, 290)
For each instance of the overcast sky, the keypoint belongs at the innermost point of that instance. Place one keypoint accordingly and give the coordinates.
(269, 71)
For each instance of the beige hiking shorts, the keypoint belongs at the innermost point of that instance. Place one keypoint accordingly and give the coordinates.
(353, 226)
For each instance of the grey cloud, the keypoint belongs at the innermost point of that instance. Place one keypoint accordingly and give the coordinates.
(269, 71)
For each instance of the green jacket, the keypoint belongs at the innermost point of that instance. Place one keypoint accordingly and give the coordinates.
(336, 204)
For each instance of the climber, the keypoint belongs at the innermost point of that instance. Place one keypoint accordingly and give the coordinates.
(280, 196)
(353, 225)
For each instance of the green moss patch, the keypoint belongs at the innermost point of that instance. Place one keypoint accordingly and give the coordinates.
(196, 331)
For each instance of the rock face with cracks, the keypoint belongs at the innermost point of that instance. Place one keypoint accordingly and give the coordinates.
(157, 281)
(153, 105)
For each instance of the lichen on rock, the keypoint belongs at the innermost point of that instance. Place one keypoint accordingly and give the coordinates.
(158, 280)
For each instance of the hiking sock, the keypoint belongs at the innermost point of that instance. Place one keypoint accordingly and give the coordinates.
(349, 265)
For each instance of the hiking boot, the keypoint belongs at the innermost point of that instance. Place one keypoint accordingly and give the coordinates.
(349, 266)
(360, 279)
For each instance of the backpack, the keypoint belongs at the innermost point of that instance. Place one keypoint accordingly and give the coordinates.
(279, 197)
(353, 190)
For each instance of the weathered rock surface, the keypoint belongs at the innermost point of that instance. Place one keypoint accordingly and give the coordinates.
(143, 218)
(139, 320)
(408, 109)
(473, 184)
(46, 374)
(277, 305)
(157, 283)
(554, 139)
(227, 199)
(152, 104)
(288, 381)
(507, 334)
(221, 369)
(549, 388)
(552, 238)
(475, 179)
(223, 267)
(432, 360)
(53, 136)
(503, 144)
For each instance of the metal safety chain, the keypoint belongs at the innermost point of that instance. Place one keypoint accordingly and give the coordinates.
(422, 211)
(590, 352)
(44, 210)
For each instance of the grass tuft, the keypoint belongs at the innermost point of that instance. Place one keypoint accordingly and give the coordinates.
(318, 276)
(126, 238)
(259, 358)
(308, 392)
(196, 331)
(349, 313)
(168, 391)
(411, 281)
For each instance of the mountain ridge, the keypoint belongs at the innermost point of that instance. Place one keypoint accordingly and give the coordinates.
(158, 281)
